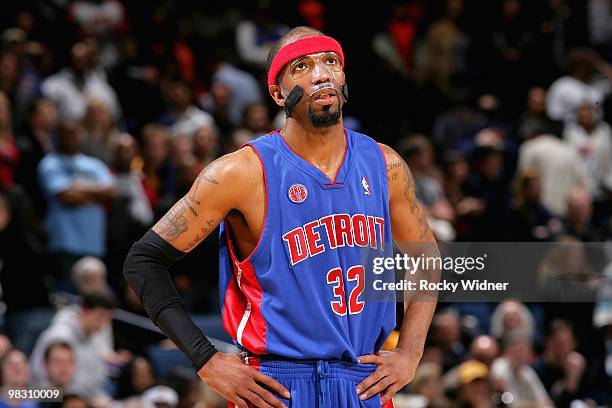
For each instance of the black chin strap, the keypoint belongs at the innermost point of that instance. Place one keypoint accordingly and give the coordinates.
(297, 93)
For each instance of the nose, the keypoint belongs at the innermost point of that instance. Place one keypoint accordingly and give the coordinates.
(320, 73)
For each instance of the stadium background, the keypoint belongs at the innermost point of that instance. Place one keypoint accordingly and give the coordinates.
(499, 107)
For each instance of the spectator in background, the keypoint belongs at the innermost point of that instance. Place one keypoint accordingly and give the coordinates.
(243, 89)
(592, 139)
(512, 373)
(475, 387)
(567, 93)
(182, 116)
(59, 362)
(160, 396)
(561, 367)
(483, 349)
(512, 318)
(534, 116)
(102, 20)
(578, 220)
(34, 143)
(75, 186)
(15, 375)
(418, 153)
(86, 328)
(529, 219)
(256, 122)
(255, 37)
(206, 145)
(425, 389)
(100, 133)
(451, 127)
(19, 80)
(136, 377)
(158, 170)
(558, 165)
(24, 270)
(445, 334)
(73, 86)
(5, 345)
(89, 274)
(9, 155)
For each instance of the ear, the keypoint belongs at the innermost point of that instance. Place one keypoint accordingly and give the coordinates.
(277, 94)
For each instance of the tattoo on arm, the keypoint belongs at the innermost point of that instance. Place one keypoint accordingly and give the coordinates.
(210, 172)
(174, 223)
(393, 171)
(203, 231)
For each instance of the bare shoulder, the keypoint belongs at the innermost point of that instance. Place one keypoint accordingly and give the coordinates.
(238, 169)
(395, 163)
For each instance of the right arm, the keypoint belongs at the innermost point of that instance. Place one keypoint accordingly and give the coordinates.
(217, 190)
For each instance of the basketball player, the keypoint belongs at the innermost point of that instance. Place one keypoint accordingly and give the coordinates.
(302, 212)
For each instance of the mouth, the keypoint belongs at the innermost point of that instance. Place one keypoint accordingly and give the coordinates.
(326, 96)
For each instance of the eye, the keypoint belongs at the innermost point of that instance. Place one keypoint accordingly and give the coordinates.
(300, 66)
(331, 60)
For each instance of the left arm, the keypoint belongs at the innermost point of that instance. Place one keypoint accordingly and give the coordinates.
(412, 235)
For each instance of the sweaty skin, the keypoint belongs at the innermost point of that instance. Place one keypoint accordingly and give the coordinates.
(233, 188)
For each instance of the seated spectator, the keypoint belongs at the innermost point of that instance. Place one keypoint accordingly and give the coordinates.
(9, 155)
(256, 122)
(561, 367)
(425, 389)
(580, 85)
(72, 87)
(418, 153)
(512, 373)
(529, 219)
(475, 387)
(24, 272)
(89, 274)
(136, 377)
(14, 370)
(206, 145)
(34, 143)
(182, 115)
(558, 165)
(534, 116)
(579, 217)
(75, 186)
(483, 349)
(86, 328)
(446, 335)
(5, 345)
(512, 318)
(100, 133)
(592, 139)
(59, 361)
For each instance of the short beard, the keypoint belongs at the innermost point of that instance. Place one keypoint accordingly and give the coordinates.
(325, 119)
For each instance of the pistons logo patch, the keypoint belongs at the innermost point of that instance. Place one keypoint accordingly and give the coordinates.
(297, 193)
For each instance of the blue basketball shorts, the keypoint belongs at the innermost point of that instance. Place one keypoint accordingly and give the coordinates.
(319, 383)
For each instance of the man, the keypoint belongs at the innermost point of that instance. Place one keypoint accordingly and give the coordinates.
(76, 186)
(304, 210)
(86, 329)
(59, 365)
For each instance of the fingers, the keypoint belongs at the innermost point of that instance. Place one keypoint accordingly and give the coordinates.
(272, 384)
(240, 403)
(369, 359)
(387, 394)
(260, 402)
(264, 397)
(372, 379)
(376, 388)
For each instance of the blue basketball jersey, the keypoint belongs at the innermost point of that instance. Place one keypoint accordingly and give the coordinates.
(300, 293)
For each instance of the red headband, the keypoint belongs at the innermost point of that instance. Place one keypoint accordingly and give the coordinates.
(304, 46)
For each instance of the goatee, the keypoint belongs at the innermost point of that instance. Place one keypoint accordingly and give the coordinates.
(324, 119)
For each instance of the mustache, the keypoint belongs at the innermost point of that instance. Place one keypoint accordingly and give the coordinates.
(327, 85)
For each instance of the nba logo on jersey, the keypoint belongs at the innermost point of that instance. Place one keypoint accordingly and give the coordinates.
(297, 193)
(366, 186)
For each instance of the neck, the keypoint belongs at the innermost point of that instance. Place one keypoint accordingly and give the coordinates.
(324, 148)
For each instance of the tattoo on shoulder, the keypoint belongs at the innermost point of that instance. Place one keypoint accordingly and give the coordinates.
(393, 170)
(209, 174)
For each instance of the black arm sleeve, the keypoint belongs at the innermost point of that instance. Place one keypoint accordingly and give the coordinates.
(146, 270)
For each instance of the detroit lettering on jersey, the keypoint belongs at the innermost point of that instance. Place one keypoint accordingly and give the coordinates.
(334, 231)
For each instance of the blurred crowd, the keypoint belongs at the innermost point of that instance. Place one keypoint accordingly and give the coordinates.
(109, 109)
